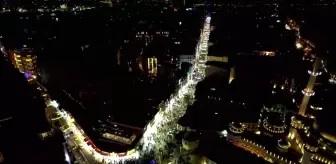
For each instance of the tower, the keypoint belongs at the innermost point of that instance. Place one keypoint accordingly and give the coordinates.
(297, 122)
(152, 66)
(309, 90)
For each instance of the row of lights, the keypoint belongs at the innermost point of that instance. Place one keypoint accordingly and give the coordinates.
(282, 145)
(322, 159)
(297, 124)
(277, 110)
(307, 58)
(269, 153)
(272, 128)
(235, 129)
(251, 142)
(308, 92)
(315, 107)
(279, 158)
(314, 73)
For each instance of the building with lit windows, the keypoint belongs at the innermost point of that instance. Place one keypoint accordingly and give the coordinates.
(112, 131)
(152, 66)
(24, 60)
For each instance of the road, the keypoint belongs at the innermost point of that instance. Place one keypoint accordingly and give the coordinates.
(81, 157)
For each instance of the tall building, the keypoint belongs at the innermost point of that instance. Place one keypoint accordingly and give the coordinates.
(152, 66)
(306, 137)
(24, 60)
(309, 90)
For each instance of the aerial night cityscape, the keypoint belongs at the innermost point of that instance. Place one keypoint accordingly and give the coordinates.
(167, 82)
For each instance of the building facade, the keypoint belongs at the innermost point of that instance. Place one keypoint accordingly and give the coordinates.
(186, 59)
(24, 60)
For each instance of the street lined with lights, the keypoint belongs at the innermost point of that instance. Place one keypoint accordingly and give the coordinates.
(160, 130)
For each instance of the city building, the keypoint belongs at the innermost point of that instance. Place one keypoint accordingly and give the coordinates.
(309, 90)
(24, 60)
(110, 131)
(219, 65)
(152, 66)
(186, 59)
